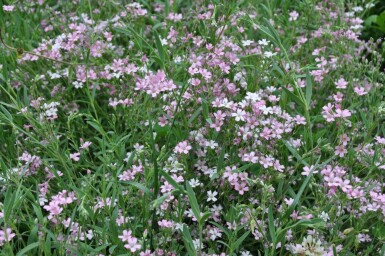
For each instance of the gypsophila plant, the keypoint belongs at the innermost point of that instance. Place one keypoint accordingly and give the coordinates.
(179, 127)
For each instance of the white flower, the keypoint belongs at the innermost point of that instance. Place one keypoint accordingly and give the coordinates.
(265, 110)
(226, 103)
(77, 84)
(269, 54)
(197, 243)
(139, 148)
(194, 183)
(179, 226)
(178, 59)
(211, 172)
(312, 246)
(369, 5)
(90, 234)
(293, 16)
(324, 216)
(247, 42)
(211, 144)
(214, 233)
(239, 115)
(252, 96)
(349, 14)
(42, 201)
(264, 42)
(216, 208)
(53, 75)
(128, 155)
(357, 9)
(211, 196)
(163, 41)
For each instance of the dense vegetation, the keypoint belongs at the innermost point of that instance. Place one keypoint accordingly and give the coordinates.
(176, 127)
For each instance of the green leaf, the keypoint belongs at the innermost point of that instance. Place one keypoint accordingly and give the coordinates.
(221, 160)
(309, 88)
(278, 69)
(204, 217)
(195, 115)
(139, 186)
(270, 32)
(205, 109)
(97, 127)
(271, 224)
(293, 96)
(193, 201)
(27, 249)
(138, 36)
(298, 196)
(160, 200)
(188, 241)
(160, 48)
(295, 153)
(307, 223)
(38, 213)
(380, 20)
(240, 240)
(243, 168)
(370, 20)
(7, 114)
(382, 250)
(112, 249)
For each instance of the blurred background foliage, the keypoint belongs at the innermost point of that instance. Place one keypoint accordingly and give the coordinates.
(374, 20)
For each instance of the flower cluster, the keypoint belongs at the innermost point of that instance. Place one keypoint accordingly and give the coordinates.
(191, 127)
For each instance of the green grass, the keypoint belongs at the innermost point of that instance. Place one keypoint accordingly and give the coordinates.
(279, 208)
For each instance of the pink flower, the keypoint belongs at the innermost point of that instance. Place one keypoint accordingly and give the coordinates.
(341, 83)
(6, 236)
(342, 113)
(289, 201)
(85, 145)
(360, 91)
(132, 242)
(162, 121)
(126, 235)
(8, 8)
(344, 139)
(53, 208)
(165, 224)
(340, 150)
(75, 156)
(182, 147)
(108, 36)
(327, 112)
(380, 140)
(307, 170)
(299, 120)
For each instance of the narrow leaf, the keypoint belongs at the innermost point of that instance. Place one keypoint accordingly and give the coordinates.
(271, 224)
(188, 241)
(27, 249)
(309, 88)
(193, 201)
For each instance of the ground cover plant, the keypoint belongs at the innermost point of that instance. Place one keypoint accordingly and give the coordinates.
(178, 127)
